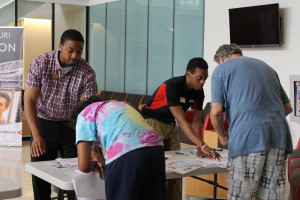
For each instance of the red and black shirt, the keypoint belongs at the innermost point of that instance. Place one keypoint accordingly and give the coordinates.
(173, 92)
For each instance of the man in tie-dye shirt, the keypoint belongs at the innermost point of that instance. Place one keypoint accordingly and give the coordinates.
(134, 161)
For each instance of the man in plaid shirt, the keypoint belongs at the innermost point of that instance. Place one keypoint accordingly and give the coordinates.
(57, 81)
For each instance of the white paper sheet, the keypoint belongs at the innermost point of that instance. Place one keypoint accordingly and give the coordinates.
(68, 162)
(183, 166)
(211, 162)
(168, 156)
(88, 186)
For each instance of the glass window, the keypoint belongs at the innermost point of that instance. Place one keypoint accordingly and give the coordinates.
(33, 9)
(160, 43)
(97, 42)
(188, 35)
(115, 46)
(136, 46)
(7, 13)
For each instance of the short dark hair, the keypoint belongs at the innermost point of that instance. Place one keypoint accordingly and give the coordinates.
(196, 63)
(226, 50)
(6, 97)
(71, 34)
(82, 105)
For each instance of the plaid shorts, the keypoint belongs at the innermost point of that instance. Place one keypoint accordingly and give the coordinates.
(261, 174)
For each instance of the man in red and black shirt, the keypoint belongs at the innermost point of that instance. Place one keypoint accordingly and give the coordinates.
(56, 82)
(169, 103)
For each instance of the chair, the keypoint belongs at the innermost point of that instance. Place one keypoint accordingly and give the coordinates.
(295, 185)
(293, 157)
(134, 99)
(207, 126)
(106, 95)
(146, 99)
(206, 111)
(119, 96)
(298, 145)
(294, 174)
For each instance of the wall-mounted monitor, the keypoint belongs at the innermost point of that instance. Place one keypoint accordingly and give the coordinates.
(255, 26)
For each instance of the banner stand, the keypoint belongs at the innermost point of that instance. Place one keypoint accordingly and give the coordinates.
(11, 70)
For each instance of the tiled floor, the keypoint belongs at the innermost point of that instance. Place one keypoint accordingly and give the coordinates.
(12, 166)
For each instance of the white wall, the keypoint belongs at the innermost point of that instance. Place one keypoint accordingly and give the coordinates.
(284, 59)
(34, 30)
(69, 17)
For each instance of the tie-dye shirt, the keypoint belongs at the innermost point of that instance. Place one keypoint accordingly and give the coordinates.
(116, 127)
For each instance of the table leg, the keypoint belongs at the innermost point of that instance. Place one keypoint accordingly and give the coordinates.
(60, 194)
(183, 188)
(215, 185)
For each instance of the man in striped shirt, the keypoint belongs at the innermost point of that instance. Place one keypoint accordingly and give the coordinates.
(56, 82)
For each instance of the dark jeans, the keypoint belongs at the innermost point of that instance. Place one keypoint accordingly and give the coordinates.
(59, 137)
(139, 174)
(169, 134)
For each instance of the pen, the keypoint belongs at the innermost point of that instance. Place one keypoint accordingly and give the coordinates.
(217, 149)
(179, 153)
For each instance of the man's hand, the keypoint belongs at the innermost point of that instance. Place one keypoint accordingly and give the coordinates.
(207, 152)
(200, 153)
(223, 139)
(38, 147)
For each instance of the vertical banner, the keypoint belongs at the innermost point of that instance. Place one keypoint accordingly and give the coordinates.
(11, 70)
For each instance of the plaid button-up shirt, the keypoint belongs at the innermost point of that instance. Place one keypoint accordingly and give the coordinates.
(60, 90)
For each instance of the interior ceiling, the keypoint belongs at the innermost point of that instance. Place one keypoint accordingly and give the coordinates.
(75, 2)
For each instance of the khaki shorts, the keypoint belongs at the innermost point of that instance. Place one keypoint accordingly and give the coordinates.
(168, 132)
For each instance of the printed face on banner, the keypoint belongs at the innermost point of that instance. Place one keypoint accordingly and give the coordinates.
(5, 97)
(3, 105)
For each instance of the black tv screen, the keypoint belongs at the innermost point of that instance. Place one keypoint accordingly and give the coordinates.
(256, 26)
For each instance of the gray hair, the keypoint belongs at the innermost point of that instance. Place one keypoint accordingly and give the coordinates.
(226, 50)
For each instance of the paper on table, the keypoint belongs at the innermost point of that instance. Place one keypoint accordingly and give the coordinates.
(211, 162)
(68, 162)
(168, 155)
(88, 186)
(183, 166)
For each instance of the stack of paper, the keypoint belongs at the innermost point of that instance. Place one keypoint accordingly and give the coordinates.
(214, 163)
(68, 162)
(183, 166)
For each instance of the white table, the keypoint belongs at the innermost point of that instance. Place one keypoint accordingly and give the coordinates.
(61, 177)
(197, 172)
(9, 189)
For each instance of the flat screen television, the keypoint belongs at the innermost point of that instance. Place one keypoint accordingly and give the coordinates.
(256, 26)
